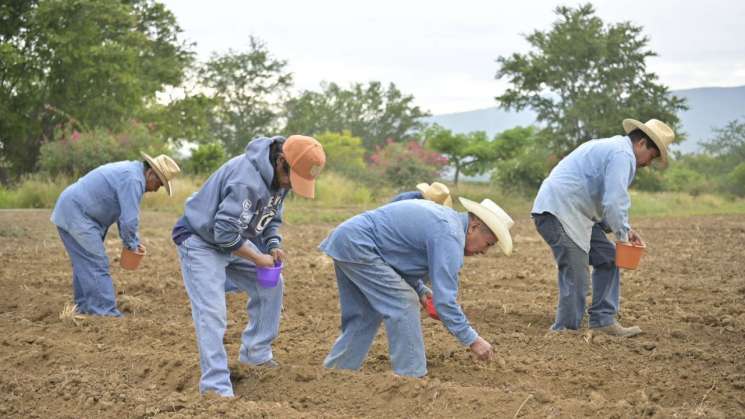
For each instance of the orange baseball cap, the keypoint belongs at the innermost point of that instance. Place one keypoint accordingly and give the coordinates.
(306, 158)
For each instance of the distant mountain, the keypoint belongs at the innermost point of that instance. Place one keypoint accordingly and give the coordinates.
(709, 108)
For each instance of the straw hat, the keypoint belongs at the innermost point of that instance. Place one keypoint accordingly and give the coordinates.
(436, 192)
(657, 131)
(498, 221)
(165, 168)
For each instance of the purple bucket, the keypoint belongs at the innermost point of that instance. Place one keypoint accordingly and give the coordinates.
(268, 277)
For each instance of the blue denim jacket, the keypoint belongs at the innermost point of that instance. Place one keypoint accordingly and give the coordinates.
(417, 238)
(108, 194)
(590, 186)
(407, 195)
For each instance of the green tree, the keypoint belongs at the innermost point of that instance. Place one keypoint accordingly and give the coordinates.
(99, 61)
(523, 159)
(207, 158)
(344, 152)
(186, 119)
(583, 77)
(728, 143)
(728, 151)
(471, 154)
(370, 112)
(249, 89)
(736, 180)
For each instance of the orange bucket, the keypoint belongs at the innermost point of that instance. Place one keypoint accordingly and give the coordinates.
(130, 260)
(628, 255)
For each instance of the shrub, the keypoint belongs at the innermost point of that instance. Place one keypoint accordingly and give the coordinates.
(524, 172)
(344, 152)
(206, 158)
(74, 153)
(735, 181)
(679, 178)
(406, 164)
(649, 180)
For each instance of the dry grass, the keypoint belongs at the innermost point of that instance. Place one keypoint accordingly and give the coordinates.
(132, 305)
(70, 316)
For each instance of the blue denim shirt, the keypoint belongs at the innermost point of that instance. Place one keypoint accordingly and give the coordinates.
(590, 186)
(407, 195)
(108, 194)
(417, 238)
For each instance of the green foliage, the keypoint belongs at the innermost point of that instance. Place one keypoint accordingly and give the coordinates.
(207, 158)
(339, 198)
(728, 144)
(666, 204)
(370, 112)
(344, 152)
(34, 191)
(472, 153)
(334, 190)
(736, 180)
(680, 178)
(75, 153)
(188, 118)
(514, 204)
(406, 164)
(93, 61)
(583, 77)
(524, 160)
(650, 180)
(249, 88)
(524, 172)
(508, 143)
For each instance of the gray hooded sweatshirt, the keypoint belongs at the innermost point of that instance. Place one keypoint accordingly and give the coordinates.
(237, 204)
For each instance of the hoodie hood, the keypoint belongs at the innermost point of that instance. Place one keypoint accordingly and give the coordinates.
(257, 152)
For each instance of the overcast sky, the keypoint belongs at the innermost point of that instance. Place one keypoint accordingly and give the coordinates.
(444, 52)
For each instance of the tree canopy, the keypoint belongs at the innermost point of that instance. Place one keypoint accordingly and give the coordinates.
(95, 62)
(583, 77)
(249, 89)
(371, 112)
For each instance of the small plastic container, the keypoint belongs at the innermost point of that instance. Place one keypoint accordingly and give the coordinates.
(268, 277)
(430, 305)
(628, 255)
(130, 259)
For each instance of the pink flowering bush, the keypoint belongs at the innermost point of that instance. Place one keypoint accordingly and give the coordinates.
(75, 153)
(406, 164)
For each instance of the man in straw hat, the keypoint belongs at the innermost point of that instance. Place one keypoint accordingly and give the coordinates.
(436, 192)
(231, 226)
(585, 196)
(378, 256)
(86, 209)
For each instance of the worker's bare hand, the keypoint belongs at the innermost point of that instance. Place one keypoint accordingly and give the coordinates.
(482, 349)
(278, 255)
(263, 260)
(635, 238)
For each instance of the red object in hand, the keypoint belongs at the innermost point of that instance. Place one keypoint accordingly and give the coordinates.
(431, 308)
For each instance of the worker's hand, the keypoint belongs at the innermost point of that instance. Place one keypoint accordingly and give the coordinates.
(263, 260)
(278, 255)
(423, 298)
(481, 349)
(141, 248)
(635, 238)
